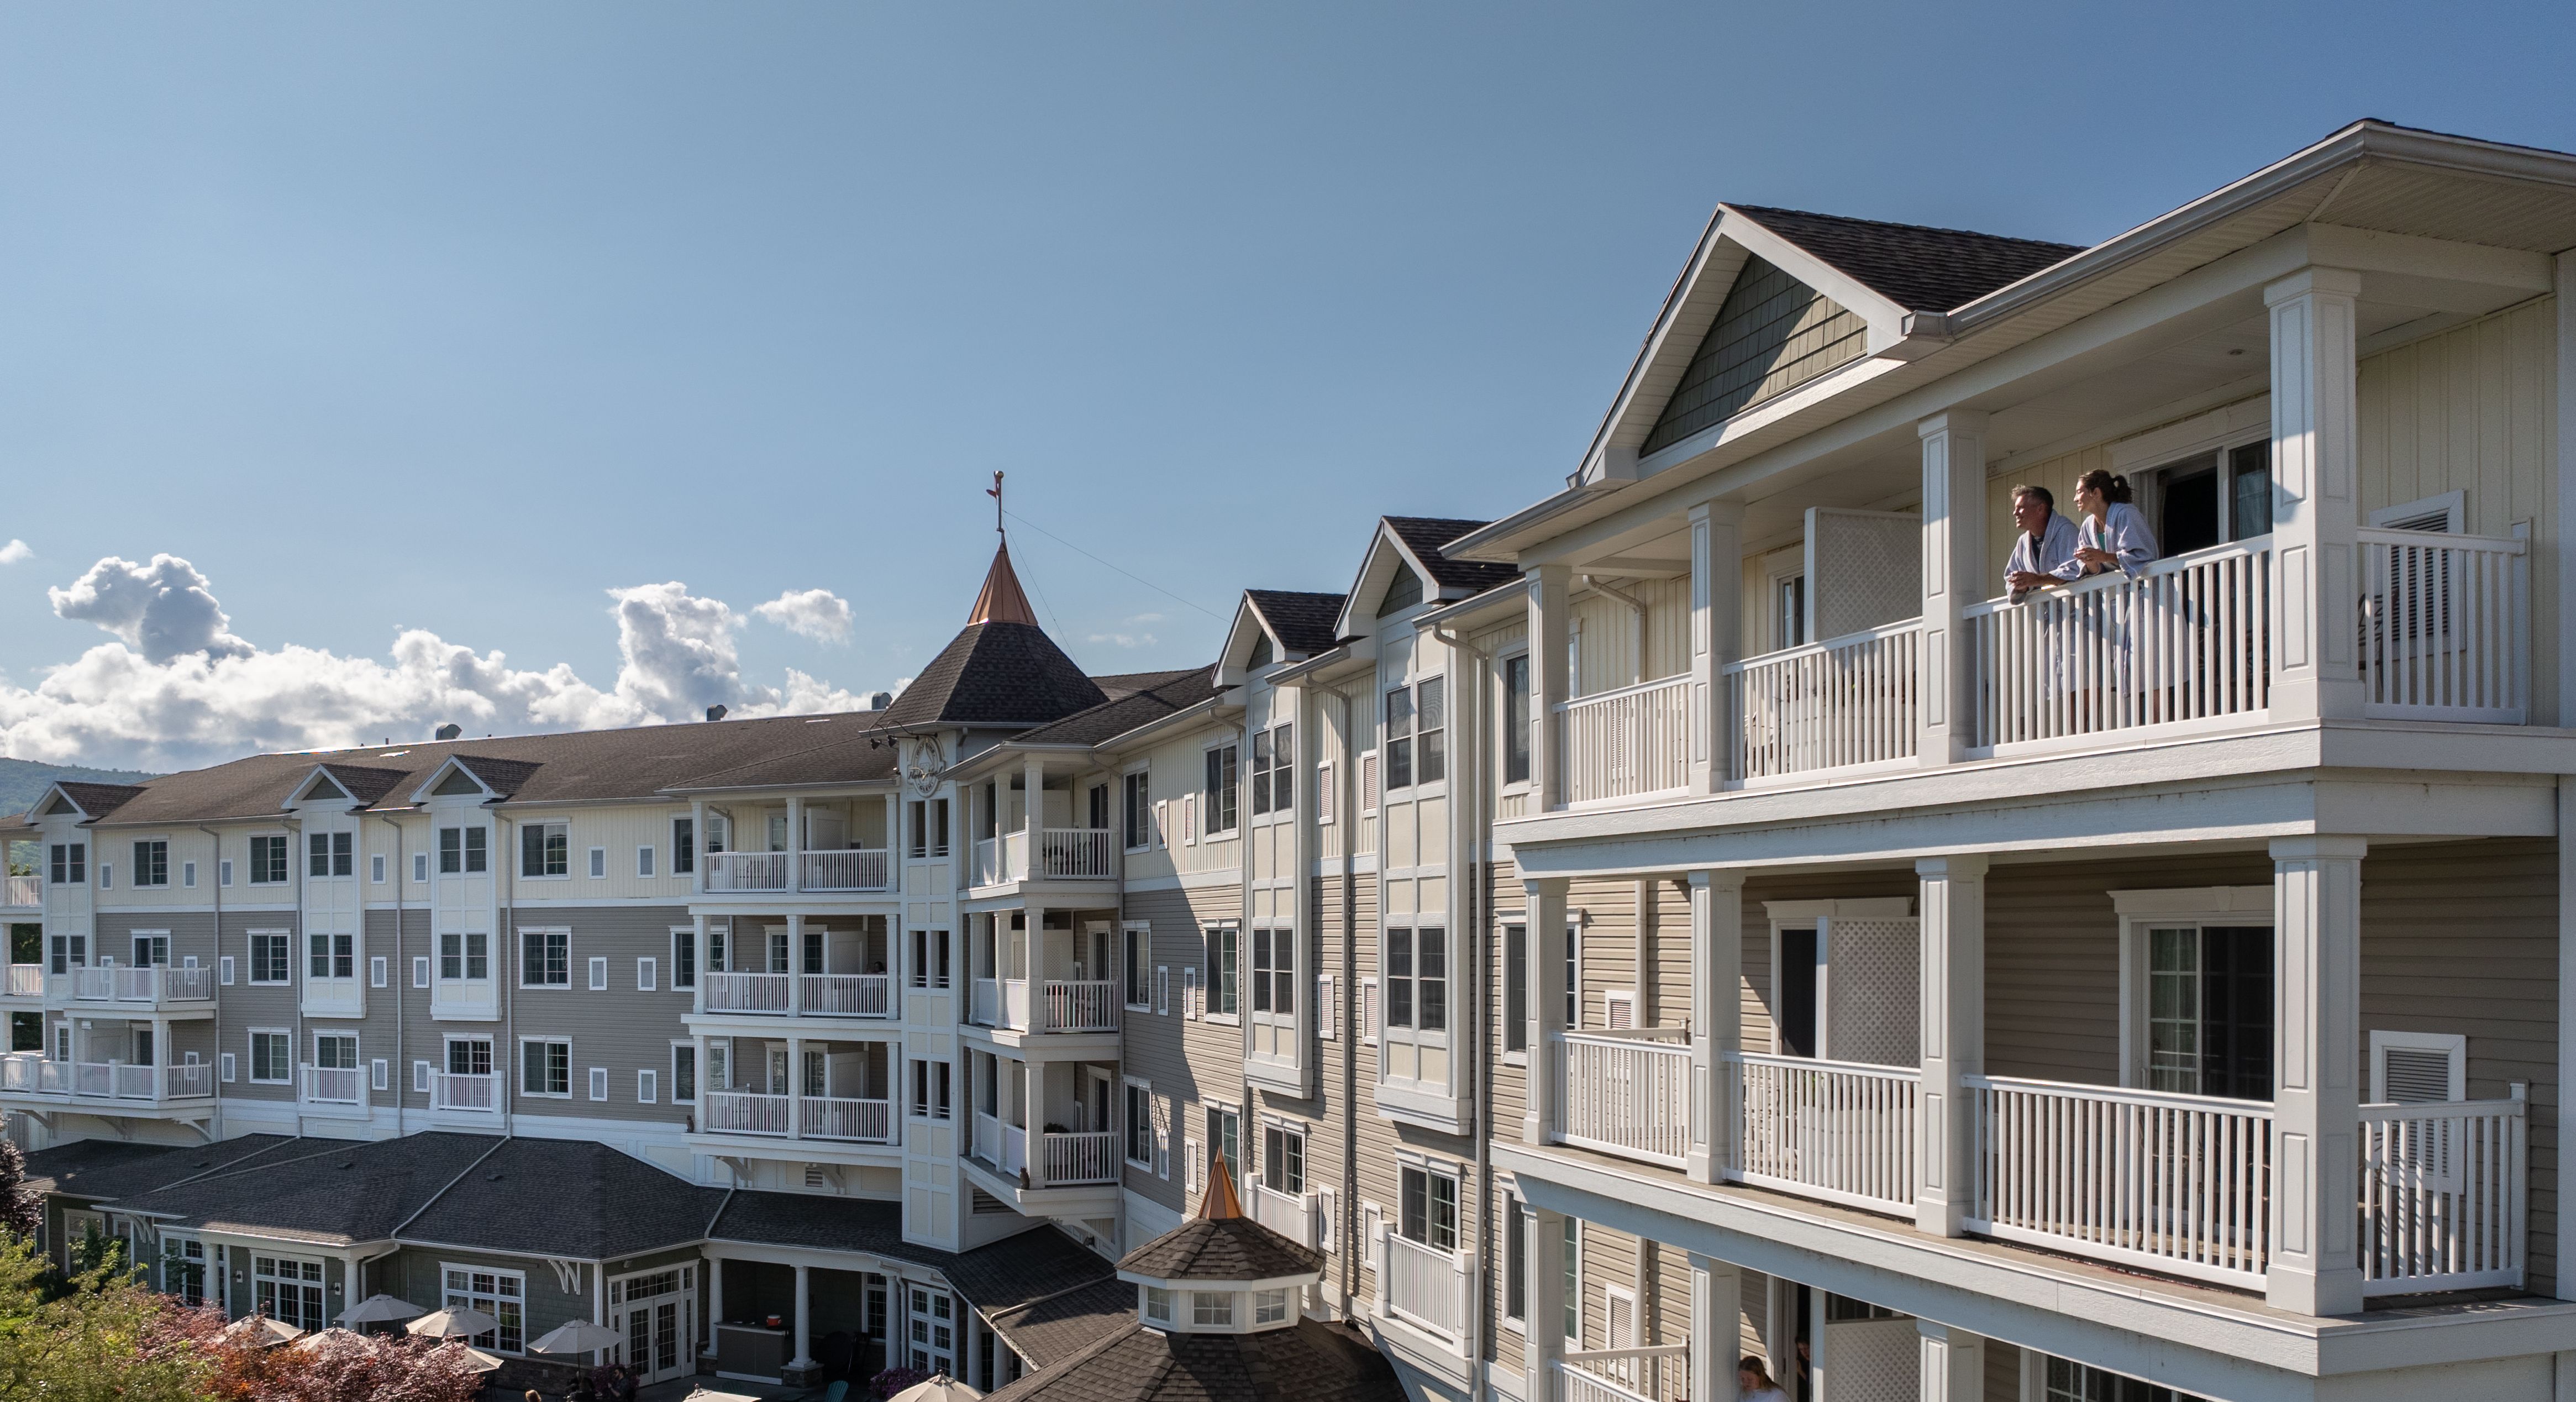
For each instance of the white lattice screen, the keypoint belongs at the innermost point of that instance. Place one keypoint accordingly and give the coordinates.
(1873, 993)
(1864, 568)
(1873, 1360)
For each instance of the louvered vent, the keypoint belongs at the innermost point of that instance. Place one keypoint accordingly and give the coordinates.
(2417, 1075)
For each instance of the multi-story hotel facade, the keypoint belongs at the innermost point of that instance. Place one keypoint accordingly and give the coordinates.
(1706, 913)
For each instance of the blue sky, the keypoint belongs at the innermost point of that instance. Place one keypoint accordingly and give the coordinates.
(454, 318)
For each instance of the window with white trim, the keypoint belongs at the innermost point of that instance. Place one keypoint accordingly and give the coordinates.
(268, 861)
(272, 1057)
(333, 955)
(1283, 1159)
(1516, 718)
(1135, 948)
(545, 958)
(464, 851)
(1274, 975)
(1137, 789)
(2063, 1380)
(288, 1289)
(1220, 796)
(684, 846)
(644, 862)
(500, 1294)
(598, 863)
(464, 956)
(930, 1100)
(545, 850)
(151, 863)
(1416, 741)
(545, 1067)
(330, 854)
(1222, 956)
(1274, 773)
(1139, 1125)
(684, 1073)
(1429, 1207)
(599, 973)
(599, 1083)
(648, 973)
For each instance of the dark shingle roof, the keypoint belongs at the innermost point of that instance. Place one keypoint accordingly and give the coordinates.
(996, 674)
(364, 783)
(1050, 1330)
(821, 1223)
(597, 1204)
(1920, 269)
(333, 1191)
(1311, 1361)
(1177, 691)
(99, 800)
(1425, 535)
(1033, 1265)
(1222, 1248)
(103, 1170)
(1303, 622)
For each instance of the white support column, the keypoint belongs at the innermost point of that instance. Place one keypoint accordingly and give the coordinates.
(1545, 1342)
(1033, 1116)
(2315, 501)
(795, 845)
(1551, 614)
(795, 963)
(2316, 1055)
(795, 1088)
(1716, 1327)
(1033, 819)
(1717, 638)
(1955, 575)
(1954, 1363)
(1952, 1025)
(2565, 486)
(1544, 907)
(715, 1298)
(697, 858)
(804, 1318)
(2566, 1281)
(1717, 1019)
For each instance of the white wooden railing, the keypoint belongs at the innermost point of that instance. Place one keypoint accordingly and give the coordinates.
(728, 992)
(986, 1009)
(1079, 1158)
(1292, 1215)
(747, 871)
(985, 866)
(1841, 1131)
(743, 1112)
(846, 995)
(94, 1078)
(25, 981)
(1083, 1005)
(178, 983)
(464, 1090)
(2171, 1182)
(23, 891)
(847, 869)
(94, 983)
(1625, 1093)
(2184, 641)
(2443, 1195)
(1015, 1003)
(2445, 631)
(1627, 744)
(839, 1117)
(1071, 853)
(20, 1073)
(1660, 1374)
(335, 1085)
(1426, 1286)
(1842, 703)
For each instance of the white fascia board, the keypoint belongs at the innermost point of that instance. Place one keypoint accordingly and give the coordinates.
(454, 764)
(1502, 598)
(1247, 627)
(1158, 729)
(1377, 567)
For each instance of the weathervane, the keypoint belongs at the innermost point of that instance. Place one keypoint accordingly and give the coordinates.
(995, 492)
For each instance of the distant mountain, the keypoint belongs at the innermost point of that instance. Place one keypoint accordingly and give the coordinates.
(23, 781)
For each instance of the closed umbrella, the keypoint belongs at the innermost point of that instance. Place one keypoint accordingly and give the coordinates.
(939, 1389)
(381, 1309)
(454, 1322)
(580, 1336)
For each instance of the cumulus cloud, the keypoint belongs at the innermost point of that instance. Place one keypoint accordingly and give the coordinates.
(15, 551)
(176, 687)
(819, 614)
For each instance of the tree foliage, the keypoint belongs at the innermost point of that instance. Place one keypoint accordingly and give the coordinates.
(22, 1209)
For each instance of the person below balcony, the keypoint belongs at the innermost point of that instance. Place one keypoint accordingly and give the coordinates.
(2043, 555)
(2114, 535)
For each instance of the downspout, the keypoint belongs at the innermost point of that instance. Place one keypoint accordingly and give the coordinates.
(395, 981)
(506, 937)
(218, 874)
(1479, 841)
(1346, 804)
(297, 957)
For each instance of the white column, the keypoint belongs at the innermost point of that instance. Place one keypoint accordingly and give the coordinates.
(1717, 1306)
(2566, 1282)
(715, 1298)
(1033, 1115)
(2315, 504)
(1952, 1025)
(1717, 1018)
(1034, 820)
(2316, 1053)
(804, 1316)
(1954, 1363)
(795, 1088)
(697, 859)
(795, 844)
(2565, 484)
(1551, 613)
(1717, 637)
(1956, 574)
(1545, 910)
(796, 962)
(1545, 1343)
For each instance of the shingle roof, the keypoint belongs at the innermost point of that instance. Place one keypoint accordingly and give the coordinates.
(1917, 268)
(1050, 1330)
(1303, 622)
(102, 1170)
(996, 674)
(99, 800)
(1311, 1361)
(1033, 1265)
(1177, 691)
(364, 783)
(1425, 535)
(1222, 1248)
(333, 1191)
(598, 1203)
(821, 1223)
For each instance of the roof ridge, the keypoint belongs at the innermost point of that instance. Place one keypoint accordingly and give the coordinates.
(395, 1234)
(1762, 209)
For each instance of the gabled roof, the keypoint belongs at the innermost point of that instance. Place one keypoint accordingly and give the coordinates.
(1312, 1361)
(995, 673)
(92, 801)
(364, 783)
(1917, 267)
(332, 1191)
(1301, 621)
(1416, 544)
(1424, 537)
(566, 1197)
(1172, 693)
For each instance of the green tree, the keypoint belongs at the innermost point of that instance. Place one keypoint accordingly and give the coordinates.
(108, 1340)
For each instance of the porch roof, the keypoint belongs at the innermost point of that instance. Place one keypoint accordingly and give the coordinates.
(106, 1170)
(568, 1198)
(332, 1192)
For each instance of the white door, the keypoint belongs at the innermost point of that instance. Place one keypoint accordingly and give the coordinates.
(656, 1314)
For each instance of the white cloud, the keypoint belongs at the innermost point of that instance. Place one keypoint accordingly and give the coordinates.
(177, 688)
(15, 551)
(1123, 639)
(819, 614)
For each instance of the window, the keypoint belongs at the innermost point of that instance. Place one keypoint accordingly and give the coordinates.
(1430, 736)
(1224, 1136)
(1516, 719)
(332, 956)
(1274, 773)
(2209, 1010)
(500, 1294)
(1399, 978)
(376, 972)
(330, 854)
(1138, 788)
(151, 949)
(1158, 1304)
(545, 958)
(1139, 1125)
(647, 1086)
(69, 952)
(1221, 953)
(1573, 1285)
(268, 861)
(2067, 1381)
(545, 1067)
(684, 846)
(420, 971)
(1163, 988)
(684, 1073)
(1134, 989)
(2217, 496)
(933, 1330)
(644, 860)
(545, 849)
(224, 872)
(224, 970)
(1270, 1307)
(1397, 746)
(598, 863)
(1274, 973)
(465, 955)
(469, 1056)
(288, 1290)
(335, 1051)
(599, 1083)
(930, 1090)
(268, 956)
(272, 1058)
(70, 865)
(599, 973)
(929, 819)
(1430, 1209)
(1515, 1258)
(188, 875)
(1212, 1308)
(930, 958)
(1218, 803)
(152, 863)
(1789, 609)
(1283, 1160)
(375, 869)
(648, 974)
(1516, 987)
(183, 1269)
(419, 868)
(1324, 793)
(684, 958)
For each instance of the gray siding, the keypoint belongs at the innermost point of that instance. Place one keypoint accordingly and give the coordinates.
(620, 1029)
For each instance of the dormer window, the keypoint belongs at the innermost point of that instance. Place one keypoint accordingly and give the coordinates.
(1158, 1305)
(1212, 1309)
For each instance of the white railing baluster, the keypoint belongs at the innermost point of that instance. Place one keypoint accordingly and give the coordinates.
(1842, 703)
(1633, 743)
(2443, 626)
(2443, 1195)
(1836, 1130)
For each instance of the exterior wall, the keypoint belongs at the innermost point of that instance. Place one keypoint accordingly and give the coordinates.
(621, 1029)
(1606, 659)
(416, 1273)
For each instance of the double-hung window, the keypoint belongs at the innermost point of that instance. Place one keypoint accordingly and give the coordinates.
(330, 854)
(464, 851)
(268, 956)
(1225, 1136)
(1274, 973)
(684, 958)
(1274, 771)
(464, 954)
(152, 863)
(545, 849)
(1397, 978)
(1416, 980)
(70, 863)
(469, 1056)
(1430, 1208)
(1416, 741)
(268, 861)
(1223, 999)
(545, 1067)
(684, 1073)
(1138, 789)
(1516, 987)
(1217, 805)
(1133, 971)
(684, 846)
(1283, 1160)
(272, 1058)
(334, 956)
(71, 952)
(545, 958)
(1139, 1125)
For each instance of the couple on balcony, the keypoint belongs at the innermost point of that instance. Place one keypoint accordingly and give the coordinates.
(2053, 551)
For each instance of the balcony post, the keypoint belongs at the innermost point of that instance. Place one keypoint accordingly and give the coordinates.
(804, 1359)
(1953, 1361)
(795, 844)
(795, 1088)
(1033, 1132)
(1551, 614)
(1717, 637)
(2563, 483)
(1716, 1324)
(795, 965)
(1952, 1032)
(2316, 1100)
(697, 858)
(1033, 819)
(2315, 502)
(1546, 1342)
(1545, 912)
(1717, 1020)
(1957, 572)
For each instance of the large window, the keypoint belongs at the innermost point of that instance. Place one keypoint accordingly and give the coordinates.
(464, 954)
(929, 821)
(2209, 1010)
(288, 1290)
(1283, 1160)
(933, 1347)
(330, 854)
(272, 1058)
(1223, 970)
(469, 1056)
(1430, 1208)
(332, 956)
(335, 1051)
(1274, 972)
(268, 956)
(1219, 803)
(183, 1269)
(1516, 719)
(684, 846)
(464, 851)
(2218, 496)
(70, 864)
(930, 1090)
(1416, 743)
(500, 1294)
(545, 1067)
(72, 952)
(152, 863)
(545, 958)
(1417, 979)
(1139, 790)
(545, 849)
(268, 861)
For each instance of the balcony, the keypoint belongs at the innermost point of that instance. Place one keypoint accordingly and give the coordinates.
(748, 871)
(1625, 1375)
(838, 1118)
(850, 869)
(334, 1085)
(1845, 703)
(1063, 854)
(1628, 1092)
(804, 995)
(473, 1091)
(1632, 744)
(22, 892)
(1296, 1216)
(1063, 1160)
(28, 1073)
(1426, 1287)
(1006, 1147)
(152, 986)
(22, 981)
(1058, 1005)
(840, 869)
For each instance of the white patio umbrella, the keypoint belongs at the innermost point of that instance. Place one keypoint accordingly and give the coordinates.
(381, 1309)
(261, 1330)
(454, 1323)
(318, 1340)
(579, 1336)
(483, 1362)
(942, 1388)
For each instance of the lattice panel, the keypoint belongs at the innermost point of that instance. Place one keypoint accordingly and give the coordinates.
(1873, 991)
(1874, 1360)
(1868, 570)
